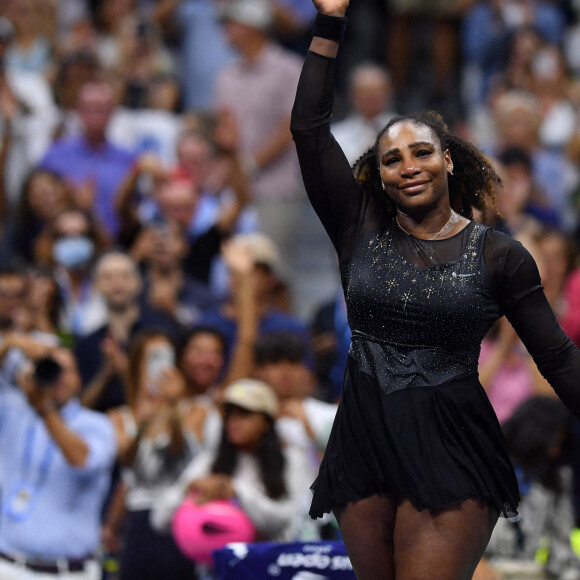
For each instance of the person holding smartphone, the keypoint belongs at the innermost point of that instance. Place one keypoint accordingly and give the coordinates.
(159, 431)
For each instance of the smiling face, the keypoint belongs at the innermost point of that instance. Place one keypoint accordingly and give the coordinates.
(202, 361)
(414, 168)
(118, 280)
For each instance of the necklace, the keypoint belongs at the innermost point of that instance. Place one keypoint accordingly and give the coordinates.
(453, 219)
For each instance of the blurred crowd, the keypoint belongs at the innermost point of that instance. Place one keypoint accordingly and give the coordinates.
(171, 320)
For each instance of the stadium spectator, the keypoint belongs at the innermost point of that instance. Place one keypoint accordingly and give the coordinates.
(250, 466)
(370, 95)
(25, 102)
(70, 243)
(89, 161)
(159, 431)
(517, 118)
(488, 29)
(258, 89)
(167, 286)
(44, 196)
(56, 459)
(263, 262)
(102, 354)
(538, 437)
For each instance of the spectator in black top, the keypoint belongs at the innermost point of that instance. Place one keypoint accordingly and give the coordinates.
(167, 286)
(102, 355)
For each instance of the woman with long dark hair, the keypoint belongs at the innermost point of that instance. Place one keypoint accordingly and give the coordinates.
(159, 431)
(416, 469)
(250, 466)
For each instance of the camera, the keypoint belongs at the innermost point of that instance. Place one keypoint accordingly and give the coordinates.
(46, 372)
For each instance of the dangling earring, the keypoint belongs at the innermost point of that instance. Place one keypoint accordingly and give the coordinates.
(450, 166)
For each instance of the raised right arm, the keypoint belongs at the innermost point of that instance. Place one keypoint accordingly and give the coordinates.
(333, 191)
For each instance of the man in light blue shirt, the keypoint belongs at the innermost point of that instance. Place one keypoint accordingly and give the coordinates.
(56, 459)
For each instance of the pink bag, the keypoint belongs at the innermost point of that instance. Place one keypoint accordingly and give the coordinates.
(200, 529)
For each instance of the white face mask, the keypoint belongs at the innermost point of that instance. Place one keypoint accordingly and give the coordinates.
(73, 252)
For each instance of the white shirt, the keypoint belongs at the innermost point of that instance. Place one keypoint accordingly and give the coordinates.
(274, 519)
(356, 134)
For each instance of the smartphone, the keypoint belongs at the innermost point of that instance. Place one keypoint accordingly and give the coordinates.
(160, 357)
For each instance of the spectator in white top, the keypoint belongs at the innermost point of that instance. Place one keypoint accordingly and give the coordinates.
(250, 466)
(370, 95)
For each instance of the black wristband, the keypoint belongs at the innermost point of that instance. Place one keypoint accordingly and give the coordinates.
(330, 27)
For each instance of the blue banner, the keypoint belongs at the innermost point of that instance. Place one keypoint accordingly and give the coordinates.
(283, 561)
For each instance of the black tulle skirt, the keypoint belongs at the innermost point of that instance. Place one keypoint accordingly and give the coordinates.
(436, 446)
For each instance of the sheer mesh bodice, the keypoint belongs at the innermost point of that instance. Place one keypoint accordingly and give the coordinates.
(418, 326)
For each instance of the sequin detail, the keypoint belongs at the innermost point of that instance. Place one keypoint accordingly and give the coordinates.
(417, 327)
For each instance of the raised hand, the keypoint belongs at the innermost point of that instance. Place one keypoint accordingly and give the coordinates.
(151, 164)
(9, 104)
(147, 408)
(238, 257)
(40, 399)
(143, 244)
(116, 358)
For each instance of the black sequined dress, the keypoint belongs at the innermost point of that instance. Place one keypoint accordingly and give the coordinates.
(413, 415)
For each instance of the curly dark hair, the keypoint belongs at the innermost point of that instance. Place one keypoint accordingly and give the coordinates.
(269, 455)
(539, 439)
(472, 183)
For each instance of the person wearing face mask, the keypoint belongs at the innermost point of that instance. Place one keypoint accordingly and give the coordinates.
(70, 244)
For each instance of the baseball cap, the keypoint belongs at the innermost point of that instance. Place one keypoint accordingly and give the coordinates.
(263, 249)
(252, 395)
(254, 13)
